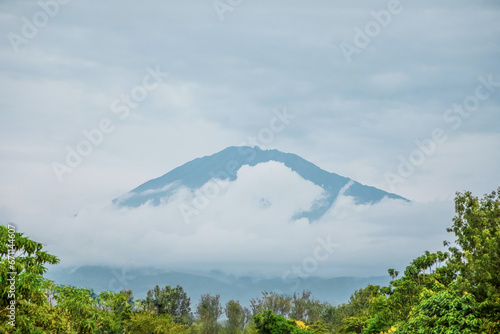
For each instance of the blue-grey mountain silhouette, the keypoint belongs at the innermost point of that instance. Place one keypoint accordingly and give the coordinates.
(225, 164)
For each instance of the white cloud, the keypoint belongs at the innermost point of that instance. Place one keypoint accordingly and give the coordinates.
(236, 234)
(390, 81)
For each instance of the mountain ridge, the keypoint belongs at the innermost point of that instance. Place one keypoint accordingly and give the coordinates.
(225, 164)
(335, 290)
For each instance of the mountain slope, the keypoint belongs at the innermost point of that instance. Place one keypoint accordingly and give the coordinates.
(225, 164)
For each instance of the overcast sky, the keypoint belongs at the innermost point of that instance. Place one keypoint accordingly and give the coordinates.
(366, 81)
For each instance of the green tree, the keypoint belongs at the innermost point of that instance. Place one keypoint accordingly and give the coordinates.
(117, 308)
(209, 310)
(80, 305)
(173, 301)
(147, 323)
(476, 253)
(235, 317)
(331, 317)
(449, 292)
(381, 316)
(305, 308)
(318, 327)
(269, 323)
(281, 305)
(352, 317)
(443, 310)
(352, 325)
(23, 299)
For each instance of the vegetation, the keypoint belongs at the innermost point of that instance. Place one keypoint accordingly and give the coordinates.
(457, 291)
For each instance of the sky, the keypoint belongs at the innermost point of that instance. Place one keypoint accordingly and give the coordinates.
(400, 95)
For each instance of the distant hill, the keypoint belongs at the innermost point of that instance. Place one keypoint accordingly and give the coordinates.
(333, 290)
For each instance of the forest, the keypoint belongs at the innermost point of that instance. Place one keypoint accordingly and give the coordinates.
(452, 291)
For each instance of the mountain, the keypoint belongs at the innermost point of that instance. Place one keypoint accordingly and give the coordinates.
(225, 164)
(335, 290)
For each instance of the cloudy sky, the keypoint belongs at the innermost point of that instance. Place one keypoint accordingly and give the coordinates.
(403, 96)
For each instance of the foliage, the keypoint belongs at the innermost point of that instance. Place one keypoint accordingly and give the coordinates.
(270, 323)
(450, 292)
(173, 301)
(443, 311)
(23, 300)
(352, 325)
(209, 309)
(80, 306)
(305, 308)
(117, 308)
(352, 317)
(281, 305)
(319, 327)
(476, 256)
(147, 323)
(235, 317)
(300, 307)
(381, 316)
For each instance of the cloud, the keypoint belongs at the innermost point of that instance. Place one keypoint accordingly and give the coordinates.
(235, 233)
(390, 81)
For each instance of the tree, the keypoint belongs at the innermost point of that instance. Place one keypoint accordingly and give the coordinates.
(476, 256)
(173, 301)
(352, 316)
(209, 310)
(450, 292)
(382, 317)
(305, 308)
(23, 299)
(318, 327)
(443, 310)
(476, 226)
(23, 260)
(117, 308)
(235, 317)
(352, 325)
(80, 305)
(331, 317)
(281, 305)
(147, 323)
(269, 323)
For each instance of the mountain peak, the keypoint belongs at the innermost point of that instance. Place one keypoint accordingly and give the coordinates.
(225, 164)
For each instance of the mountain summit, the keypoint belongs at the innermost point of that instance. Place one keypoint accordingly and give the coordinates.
(225, 164)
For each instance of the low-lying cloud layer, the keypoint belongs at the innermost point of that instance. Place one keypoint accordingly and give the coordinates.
(248, 227)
